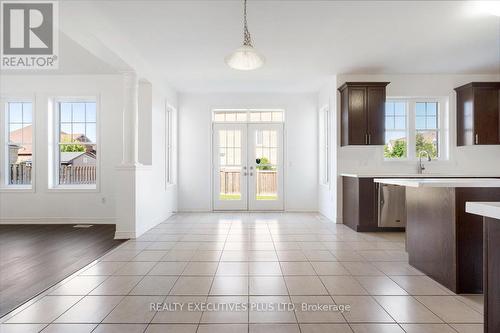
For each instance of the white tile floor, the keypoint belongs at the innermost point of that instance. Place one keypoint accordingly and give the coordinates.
(252, 258)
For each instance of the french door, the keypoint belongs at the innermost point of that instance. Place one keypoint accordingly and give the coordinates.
(248, 166)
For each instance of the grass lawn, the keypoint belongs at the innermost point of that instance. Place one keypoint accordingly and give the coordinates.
(238, 197)
(230, 196)
(267, 197)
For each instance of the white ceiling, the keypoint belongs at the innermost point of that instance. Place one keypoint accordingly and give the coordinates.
(304, 42)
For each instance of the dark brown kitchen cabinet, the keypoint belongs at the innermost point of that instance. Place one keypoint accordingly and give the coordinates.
(362, 113)
(360, 205)
(478, 114)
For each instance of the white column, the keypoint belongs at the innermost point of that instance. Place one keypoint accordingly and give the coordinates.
(130, 118)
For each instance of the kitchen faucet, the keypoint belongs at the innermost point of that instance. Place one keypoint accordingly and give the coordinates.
(421, 166)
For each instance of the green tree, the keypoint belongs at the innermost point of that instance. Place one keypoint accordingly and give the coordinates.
(264, 164)
(397, 150)
(423, 145)
(71, 147)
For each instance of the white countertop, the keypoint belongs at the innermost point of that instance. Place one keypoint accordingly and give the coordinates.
(411, 175)
(488, 209)
(440, 182)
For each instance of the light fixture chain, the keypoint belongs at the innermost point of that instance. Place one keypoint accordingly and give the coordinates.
(247, 39)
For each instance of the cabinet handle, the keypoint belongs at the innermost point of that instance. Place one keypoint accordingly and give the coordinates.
(477, 139)
(369, 139)
(366, 138)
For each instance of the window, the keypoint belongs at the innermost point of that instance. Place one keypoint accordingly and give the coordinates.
(324, 145)
(396, 130)
(427, 124)
(76, 151)
(19, 144)
(169, 140)
(248, 115)
(414, 127)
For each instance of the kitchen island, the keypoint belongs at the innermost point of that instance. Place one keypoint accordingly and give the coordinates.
(443, 240)
(491, 252)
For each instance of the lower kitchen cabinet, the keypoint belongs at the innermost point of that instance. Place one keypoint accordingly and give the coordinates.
(360, 205)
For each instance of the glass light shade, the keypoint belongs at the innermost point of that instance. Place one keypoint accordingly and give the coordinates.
(245, 58)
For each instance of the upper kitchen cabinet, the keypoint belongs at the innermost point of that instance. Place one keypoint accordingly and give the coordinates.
(478, 114)
(362, 113)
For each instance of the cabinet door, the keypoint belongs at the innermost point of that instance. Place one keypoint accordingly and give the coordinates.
(376, 112)
(486, 116)
(357, 116)
(465, 117)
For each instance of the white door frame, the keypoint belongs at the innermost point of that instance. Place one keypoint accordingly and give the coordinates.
(282, 175)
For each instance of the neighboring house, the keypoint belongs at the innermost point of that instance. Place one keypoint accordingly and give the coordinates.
(23, 153)
(77, 137)
(13, 153)
(80, 158)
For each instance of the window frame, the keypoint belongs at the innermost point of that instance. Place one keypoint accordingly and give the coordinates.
(55, 146)
(4, 140)
(169, 144)
(411, 132)
(407, 128)
(248, 112)
(324, 145)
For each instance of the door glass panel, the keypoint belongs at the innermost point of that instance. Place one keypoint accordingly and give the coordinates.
(266, 173)
(230, 164)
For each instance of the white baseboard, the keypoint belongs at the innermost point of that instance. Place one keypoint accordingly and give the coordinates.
(57, 220)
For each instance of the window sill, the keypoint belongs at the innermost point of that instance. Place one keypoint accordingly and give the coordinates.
(401, 160)
(17, 189)
(74, 189)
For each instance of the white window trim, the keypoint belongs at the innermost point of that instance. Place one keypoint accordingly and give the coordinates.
(54, 125)
(248, 111)
(411, 131)
(4, 138)
(170, 145)
(324, 145)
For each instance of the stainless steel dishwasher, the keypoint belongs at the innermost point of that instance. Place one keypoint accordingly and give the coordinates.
(391, 206)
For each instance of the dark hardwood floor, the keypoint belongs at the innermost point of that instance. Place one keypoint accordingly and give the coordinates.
(35, 257)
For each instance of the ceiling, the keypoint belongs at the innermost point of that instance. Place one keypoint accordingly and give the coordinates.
(304, 42)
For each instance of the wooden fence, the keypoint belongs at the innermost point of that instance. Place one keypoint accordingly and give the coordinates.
(20, 174)
(267, 182)
(81, 174)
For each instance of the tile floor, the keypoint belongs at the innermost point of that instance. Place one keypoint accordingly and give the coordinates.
(259, 260)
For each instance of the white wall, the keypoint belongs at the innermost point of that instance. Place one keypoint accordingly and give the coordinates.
(470, 160)
(145, 121)
(301, 166)
(155, 200)
(50, 205)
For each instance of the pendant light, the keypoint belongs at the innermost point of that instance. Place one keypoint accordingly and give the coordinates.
(245, 58)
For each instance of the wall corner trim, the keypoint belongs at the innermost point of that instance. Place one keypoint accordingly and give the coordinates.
(125, 235)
